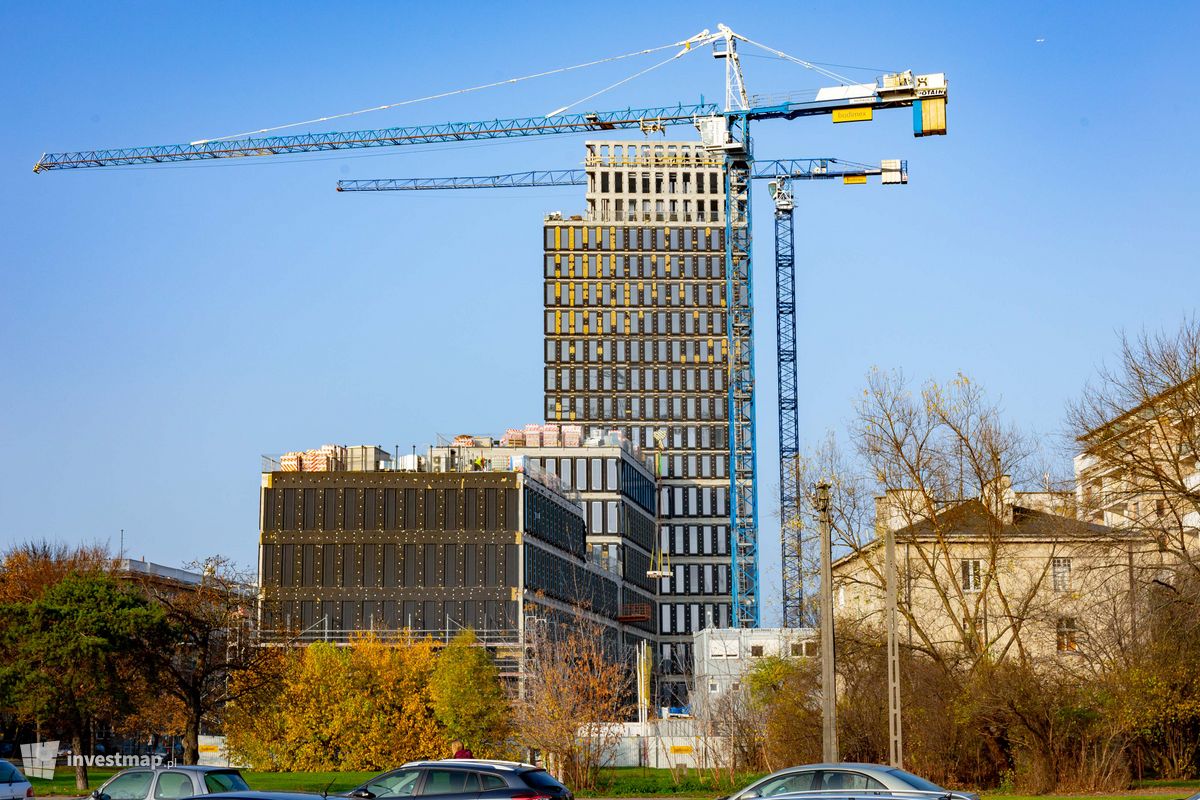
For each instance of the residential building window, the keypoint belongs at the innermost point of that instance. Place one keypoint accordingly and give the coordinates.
(972, 575)
(1061, 574)
(1067, 635)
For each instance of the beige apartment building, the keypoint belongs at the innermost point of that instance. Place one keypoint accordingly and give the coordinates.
(1008, 573)
(1140, 471)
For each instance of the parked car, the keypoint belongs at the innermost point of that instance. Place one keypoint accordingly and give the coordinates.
(846, 777)
(13, 785)
(464, 779)
(169, 783)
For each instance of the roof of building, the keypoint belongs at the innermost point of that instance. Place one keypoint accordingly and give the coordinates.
(149, 569)
(1138, 409)
(970, 520)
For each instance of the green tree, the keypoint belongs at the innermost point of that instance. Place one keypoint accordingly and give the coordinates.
(63, 654)
(468, 699)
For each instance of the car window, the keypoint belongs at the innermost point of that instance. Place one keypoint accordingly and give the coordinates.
(915, 781)
(838, 781)
(490, 781)
(540, 779)
(225, 782)
(401, 783)
(449, 781)
(793, 782)
(133, 785)
(173, 785)
(8, 773)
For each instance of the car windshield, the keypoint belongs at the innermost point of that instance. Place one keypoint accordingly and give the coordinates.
(916, 782)
(225, 782)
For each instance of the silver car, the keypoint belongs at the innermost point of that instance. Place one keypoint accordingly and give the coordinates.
(169, 783)
(13, 785)
(845, 778)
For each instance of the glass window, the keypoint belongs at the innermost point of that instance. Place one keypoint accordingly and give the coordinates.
(172, 785)
(849, 781)
(540, 779)
(133, 785)
(972, 575)
(795, 782)
(490, 782)
(918, 783)
(450, 781)
(1062, 574)
(225, 782)
(401, 783)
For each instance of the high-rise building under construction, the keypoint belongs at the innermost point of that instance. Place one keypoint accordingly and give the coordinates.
(635, 324)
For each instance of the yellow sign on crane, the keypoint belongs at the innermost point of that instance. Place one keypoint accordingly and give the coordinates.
(860, 114)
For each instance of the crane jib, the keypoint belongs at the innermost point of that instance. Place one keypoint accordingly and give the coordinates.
(385, 137)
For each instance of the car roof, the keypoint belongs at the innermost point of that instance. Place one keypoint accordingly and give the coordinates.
(474, 763)
(252, 795)
(841, 765)
(177, 768)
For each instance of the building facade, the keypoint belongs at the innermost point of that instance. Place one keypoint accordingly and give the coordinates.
(384, 550)
(617, 494)
(724, 656)
(1012, 573)
(635, 340)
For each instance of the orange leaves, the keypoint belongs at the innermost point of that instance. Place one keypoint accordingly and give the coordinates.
(365, 706)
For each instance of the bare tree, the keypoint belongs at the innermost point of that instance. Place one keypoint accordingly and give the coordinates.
(938, 468)
(213, 658)
(1138, 425)
(575, 693)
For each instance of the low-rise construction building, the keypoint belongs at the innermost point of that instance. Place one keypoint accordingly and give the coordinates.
(480, 537)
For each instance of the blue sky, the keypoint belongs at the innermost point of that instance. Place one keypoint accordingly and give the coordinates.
(163, 327)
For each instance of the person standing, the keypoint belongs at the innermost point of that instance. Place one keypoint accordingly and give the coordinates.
(461, 750)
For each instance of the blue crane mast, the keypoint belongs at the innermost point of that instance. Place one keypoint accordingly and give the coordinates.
(722, 130)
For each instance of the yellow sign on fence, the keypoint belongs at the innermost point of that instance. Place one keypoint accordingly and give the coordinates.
(681, 749)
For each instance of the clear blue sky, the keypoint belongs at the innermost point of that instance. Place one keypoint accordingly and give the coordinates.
(163, 327)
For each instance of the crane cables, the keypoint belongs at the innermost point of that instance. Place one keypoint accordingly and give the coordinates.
(686, 44)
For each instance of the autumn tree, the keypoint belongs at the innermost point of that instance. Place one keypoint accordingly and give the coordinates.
(62, 654)
(575, 692)
(29, 568)
(468, 699)
(366, 706)
(210, 645)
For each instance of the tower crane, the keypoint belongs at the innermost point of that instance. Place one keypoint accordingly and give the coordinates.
(781, 169)
(780, 173)
(725, 131)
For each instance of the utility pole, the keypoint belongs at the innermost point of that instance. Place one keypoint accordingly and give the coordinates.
(895, 731)
(829, 746)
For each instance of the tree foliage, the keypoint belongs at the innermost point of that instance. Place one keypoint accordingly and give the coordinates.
(575, 689)
(64, 653)
(366, 706)
(468, 700)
